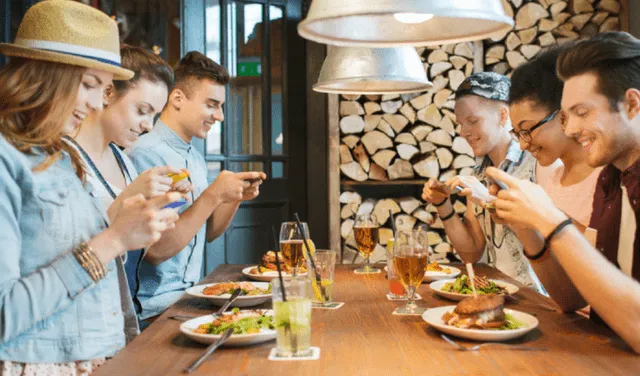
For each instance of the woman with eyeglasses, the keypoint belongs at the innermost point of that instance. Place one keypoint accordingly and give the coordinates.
(562, 169)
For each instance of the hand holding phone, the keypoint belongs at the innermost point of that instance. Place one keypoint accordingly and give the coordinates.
(176, 204)
(176, 177)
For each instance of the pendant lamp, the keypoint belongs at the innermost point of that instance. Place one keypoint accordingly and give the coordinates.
(392, 23)
(361, 70)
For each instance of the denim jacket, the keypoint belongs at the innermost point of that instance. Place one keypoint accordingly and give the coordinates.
(164, 284)
(50, 309)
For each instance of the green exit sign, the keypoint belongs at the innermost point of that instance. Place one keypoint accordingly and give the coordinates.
(249, 69)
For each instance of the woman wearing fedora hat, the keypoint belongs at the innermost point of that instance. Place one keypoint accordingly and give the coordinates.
(130, 108)
(64, 302)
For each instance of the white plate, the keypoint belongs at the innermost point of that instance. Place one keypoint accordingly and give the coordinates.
(433, 317)
(188, 327)
(436, 276)
(241, 301)
(437, 286)
(267, 276)
(430, 276)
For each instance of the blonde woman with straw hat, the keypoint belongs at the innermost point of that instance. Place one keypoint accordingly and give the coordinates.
(64, 302)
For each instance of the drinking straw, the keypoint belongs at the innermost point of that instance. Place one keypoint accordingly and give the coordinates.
(310, 258)
(472, 277)
(393, 222)
(275, 238)
(287, 327)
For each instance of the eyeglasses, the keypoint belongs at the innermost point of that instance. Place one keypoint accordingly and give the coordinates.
(525, 135)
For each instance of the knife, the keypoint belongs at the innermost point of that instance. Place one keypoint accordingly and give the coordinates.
(209, 351)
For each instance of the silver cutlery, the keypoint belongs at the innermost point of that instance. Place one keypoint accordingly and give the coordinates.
(209, 351)
(478, 347)
(236, 293)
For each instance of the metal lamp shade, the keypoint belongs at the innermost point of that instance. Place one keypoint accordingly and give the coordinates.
(360, 70)
(374, 23)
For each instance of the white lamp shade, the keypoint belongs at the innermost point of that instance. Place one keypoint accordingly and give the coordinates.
(392, 23)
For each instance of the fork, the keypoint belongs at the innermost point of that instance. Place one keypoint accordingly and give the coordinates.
(236, 293)
(478, 347)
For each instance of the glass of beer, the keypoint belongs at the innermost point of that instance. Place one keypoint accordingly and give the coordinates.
(291, 245)
(396, 290)
(410, 261)
(365, 231)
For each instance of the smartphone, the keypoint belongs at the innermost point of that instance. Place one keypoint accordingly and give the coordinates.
(176, 177)
(176, 204)
(498, 183)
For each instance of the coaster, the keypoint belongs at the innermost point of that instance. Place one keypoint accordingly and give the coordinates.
(407, 314)
(393, 298)
(315, 355)
(357, 272)
(332, 305)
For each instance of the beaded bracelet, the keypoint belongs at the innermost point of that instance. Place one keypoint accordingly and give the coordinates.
(89, 261)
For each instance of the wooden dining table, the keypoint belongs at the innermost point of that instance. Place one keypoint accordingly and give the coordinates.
(364, 338)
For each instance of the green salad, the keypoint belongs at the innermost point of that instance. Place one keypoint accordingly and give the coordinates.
(242, 323)
(462, 286)
(511, 323)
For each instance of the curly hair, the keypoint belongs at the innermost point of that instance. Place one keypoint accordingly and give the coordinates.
(537, 81)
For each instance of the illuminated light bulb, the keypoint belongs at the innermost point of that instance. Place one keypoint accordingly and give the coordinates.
(412, 18)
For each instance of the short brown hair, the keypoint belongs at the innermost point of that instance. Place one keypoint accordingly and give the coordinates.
(196, 67)
(613, 56)
(145, 65)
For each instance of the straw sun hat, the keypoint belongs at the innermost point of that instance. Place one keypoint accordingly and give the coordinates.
(64, 31)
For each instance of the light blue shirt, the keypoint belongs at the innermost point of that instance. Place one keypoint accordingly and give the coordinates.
(164, 284)
(50, 309)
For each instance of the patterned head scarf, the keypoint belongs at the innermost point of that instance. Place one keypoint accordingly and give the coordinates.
(489, 85)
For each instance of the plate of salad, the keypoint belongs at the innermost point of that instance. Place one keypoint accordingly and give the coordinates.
(460, 288)
(253, 293)
(249, 327)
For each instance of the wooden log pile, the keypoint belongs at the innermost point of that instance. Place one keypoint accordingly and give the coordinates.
(409, 213)
(393, 137)
(543, 23)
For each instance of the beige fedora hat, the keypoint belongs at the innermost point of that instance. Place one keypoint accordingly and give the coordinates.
(64, 31)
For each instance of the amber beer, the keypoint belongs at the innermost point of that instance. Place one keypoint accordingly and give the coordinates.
(292, 252)
(410, 269)
(366, 239)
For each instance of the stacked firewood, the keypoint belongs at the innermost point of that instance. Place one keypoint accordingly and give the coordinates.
(408, 213)
(542, 23)
(394, 137)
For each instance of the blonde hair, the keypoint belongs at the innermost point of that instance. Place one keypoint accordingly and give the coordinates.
(36, 99)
